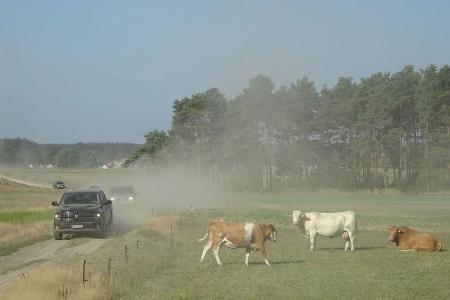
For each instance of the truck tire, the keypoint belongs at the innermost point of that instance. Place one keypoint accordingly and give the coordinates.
(104, 231)
(57, 236)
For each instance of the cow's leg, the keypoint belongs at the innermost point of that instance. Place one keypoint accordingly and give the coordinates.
(347, 243)
(216, 252)
(247, 255)
(262, 250)
(207, 246)
(352, 239)
(312, 240)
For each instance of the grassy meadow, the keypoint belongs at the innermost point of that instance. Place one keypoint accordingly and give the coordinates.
(25, 215)
(165, 269)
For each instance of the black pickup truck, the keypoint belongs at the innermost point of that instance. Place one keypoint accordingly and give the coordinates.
(85, 211)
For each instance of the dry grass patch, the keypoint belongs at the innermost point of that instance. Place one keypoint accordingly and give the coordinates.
(162, 223)
(15, 197)
(56, 281)
(14, 232)
(14, 236)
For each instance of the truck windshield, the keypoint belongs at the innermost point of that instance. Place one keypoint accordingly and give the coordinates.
(80, 198)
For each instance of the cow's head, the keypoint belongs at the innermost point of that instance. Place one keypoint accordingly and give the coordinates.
(270, 232)
(299, 218)
(295, 214)
(394, 233)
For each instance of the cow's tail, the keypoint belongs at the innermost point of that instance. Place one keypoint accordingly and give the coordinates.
(355, 229)
(206, 235)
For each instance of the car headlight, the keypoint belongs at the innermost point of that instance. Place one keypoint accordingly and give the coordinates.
(98, 215)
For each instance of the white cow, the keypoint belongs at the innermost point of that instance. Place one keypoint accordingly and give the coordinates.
(327, 224)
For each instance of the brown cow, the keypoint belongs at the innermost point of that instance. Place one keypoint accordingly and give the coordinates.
(250, 236)
(408, 239)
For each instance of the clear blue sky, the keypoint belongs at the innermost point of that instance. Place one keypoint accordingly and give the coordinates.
(99, 71)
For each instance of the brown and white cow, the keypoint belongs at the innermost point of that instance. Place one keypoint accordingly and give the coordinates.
(250, 236)
(408, 239)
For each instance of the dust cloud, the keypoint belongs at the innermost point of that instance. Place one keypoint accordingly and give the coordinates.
(166, 191)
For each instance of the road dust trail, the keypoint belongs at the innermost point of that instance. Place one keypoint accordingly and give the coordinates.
(38, 254)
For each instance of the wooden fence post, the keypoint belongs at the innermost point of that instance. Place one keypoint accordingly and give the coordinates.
(84, 271)
(171, 232)
(109, 270)
(126, 254)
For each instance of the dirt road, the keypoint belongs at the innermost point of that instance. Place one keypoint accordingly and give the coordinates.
(16, 264)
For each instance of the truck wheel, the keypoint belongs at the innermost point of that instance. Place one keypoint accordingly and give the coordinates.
(57, 236)
(104, 231)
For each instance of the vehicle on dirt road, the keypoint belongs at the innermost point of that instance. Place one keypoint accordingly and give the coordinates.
(84, 211)
(59, 185)
(123, 195)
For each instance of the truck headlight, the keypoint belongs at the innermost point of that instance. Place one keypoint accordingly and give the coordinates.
(112, 198)
(98, 215)
(57, 216)
(130, 198)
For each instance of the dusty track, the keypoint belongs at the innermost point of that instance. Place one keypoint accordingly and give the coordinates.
(25, 259)
(18, 263)
(30, 257)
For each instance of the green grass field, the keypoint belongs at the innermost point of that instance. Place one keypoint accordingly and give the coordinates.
(165, 269)
(162, 269)
(25, 215)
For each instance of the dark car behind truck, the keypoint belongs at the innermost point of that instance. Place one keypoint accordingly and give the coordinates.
(59, 185)
(86, 211)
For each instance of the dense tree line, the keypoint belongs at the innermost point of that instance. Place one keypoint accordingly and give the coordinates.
(385, 131)
(23, 152)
